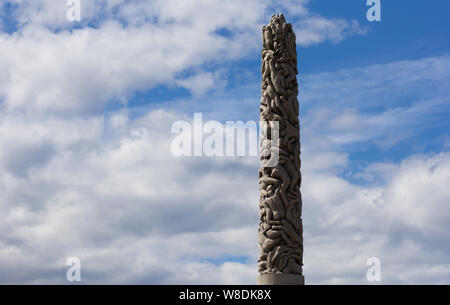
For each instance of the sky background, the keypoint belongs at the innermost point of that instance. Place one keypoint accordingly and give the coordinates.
(86, 110)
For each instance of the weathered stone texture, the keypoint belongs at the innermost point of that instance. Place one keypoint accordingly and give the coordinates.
(280, 229)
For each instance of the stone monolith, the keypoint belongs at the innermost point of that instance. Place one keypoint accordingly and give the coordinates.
(280, 203)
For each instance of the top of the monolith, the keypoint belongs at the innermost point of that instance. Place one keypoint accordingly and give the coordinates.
(279, 38)
(278, 18)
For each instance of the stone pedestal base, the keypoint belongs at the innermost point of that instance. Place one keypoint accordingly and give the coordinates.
(281, 279)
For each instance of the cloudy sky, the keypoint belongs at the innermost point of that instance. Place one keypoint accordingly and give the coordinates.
(86, 110)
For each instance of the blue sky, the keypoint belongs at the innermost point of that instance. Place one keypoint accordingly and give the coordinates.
(86, 110)
(409, 30)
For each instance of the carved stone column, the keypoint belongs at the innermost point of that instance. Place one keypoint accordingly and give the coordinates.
(280, 203)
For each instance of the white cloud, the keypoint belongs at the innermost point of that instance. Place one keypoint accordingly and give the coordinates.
(198, 84)
(135, 214)
(419, 194)
(315, 29)
(122, 185)
(403, 222)
(49, 65)
(79, 72)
